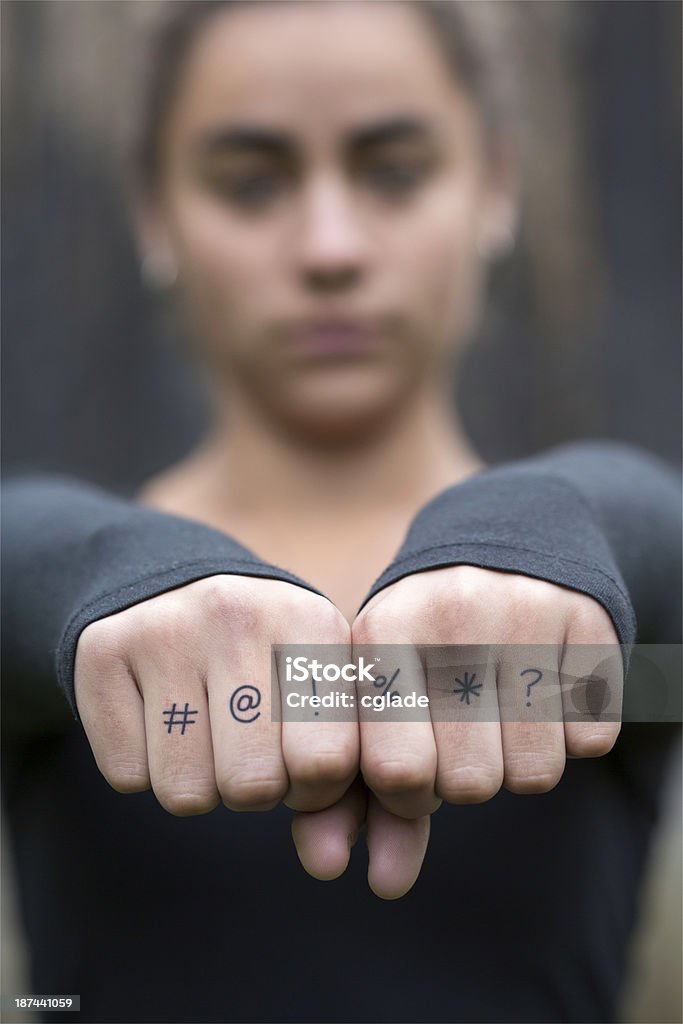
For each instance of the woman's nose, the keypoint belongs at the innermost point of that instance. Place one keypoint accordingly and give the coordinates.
(332, 243)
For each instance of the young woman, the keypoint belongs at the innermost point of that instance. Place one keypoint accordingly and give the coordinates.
(325, 184)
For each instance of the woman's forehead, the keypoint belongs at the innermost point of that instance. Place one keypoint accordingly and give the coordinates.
(348, 61)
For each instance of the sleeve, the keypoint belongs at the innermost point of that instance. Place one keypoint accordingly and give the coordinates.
(72, 553)
(600, 517)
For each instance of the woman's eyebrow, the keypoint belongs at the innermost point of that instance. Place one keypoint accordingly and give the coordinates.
(390, 129)
(240, 138)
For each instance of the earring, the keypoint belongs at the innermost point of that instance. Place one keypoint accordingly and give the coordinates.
(498, 245)
(159, 270)
(505, 242)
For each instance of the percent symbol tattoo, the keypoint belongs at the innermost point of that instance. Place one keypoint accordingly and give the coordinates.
(382, 684)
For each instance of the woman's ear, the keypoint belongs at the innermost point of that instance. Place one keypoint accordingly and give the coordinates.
(500, 220)
(158, 263)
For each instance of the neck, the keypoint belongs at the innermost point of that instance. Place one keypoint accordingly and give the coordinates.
(247, 463)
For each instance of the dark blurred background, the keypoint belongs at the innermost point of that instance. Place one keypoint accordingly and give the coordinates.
(582, 337)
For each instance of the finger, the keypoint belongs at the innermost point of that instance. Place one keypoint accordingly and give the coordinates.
(592, 676)
(463, 702)
(112, 713)
(178, 735)
(397, 847)
(532, 727)
(320, 743)
(398, 751)
(242, 686)
(324, 839)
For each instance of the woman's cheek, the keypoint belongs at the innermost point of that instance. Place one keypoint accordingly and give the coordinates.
(219, 272)
(443, 275)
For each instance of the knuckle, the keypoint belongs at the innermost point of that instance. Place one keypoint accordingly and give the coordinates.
(184, 805)
(537, 612)
(368, 627)
(123, 778)
(332, 622)
(100, 641)
(125, 774)
(193, 796)
(161, 626)
(593, 740)
(533, 604)
(244, 790)
(231, 605)
(469, 783)
(592, 621)
(362, 629)
(463, 608)
(400, 775)
(468, 583)
(532, 772)
(323, 766)
(321, 618)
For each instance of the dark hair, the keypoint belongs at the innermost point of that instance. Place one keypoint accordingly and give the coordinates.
(465, 30)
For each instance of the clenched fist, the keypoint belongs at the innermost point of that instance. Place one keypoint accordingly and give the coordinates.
(409, 767)
(175, 693)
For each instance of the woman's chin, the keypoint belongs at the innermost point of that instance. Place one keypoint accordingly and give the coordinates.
(341, 407)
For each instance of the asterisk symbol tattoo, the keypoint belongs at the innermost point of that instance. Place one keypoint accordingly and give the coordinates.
(469, 687)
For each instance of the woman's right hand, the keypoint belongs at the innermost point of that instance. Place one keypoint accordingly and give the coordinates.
(174, 693)
(194, 647)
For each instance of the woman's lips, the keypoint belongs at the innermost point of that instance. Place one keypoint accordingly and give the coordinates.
(329, 339)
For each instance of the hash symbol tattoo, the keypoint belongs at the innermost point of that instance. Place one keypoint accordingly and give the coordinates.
(183, 718)
(469, 687)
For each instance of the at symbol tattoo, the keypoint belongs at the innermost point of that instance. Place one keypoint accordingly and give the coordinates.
(243, 701)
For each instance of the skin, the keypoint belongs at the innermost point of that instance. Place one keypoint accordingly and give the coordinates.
(319, 463)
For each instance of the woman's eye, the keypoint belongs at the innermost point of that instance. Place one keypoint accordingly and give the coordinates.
(394, 178)
(251, 189)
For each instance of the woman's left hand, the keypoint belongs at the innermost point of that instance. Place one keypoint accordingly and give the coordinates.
(409, 767)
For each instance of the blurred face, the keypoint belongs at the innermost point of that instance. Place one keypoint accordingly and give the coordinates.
(324, 188)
